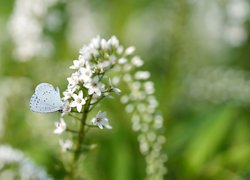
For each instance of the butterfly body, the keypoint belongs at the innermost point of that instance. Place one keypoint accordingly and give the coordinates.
(46, 99)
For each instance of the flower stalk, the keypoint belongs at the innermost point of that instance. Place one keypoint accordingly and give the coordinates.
(93, 81)
(81, 131)
(80, 139)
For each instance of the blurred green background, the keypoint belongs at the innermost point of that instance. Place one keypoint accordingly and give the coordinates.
(197, 52)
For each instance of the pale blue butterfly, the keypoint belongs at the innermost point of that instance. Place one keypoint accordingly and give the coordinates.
(46, 99)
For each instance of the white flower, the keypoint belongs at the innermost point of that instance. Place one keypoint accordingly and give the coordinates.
(127, 77)
(142, 75)
(93, 51)
(104, 44)
(113, 41)
(149, 87)
(120, 50)
(96, 42)
(85, 74)
(137, 61)
(127, 67)
(94, 86)
(73, 81)
(124, 99)
(101, 121)
(65, 145)
(130, 50)
(78, 102)
(67, 94)
(116, 80)
(122, 60)
(114, 89)
(103, 65)
(66, 108)
(77, 64)
(60, 126)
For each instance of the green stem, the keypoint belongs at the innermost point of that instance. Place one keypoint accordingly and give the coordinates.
(80, 138)
(71, 130)
(90, 125)
(95, 103)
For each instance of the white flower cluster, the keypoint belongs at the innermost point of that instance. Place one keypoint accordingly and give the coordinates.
(142, 104)
(90, 83)
(26, 168)
(26, 28)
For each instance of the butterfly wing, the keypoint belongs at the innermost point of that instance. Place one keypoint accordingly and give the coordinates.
(45, 99)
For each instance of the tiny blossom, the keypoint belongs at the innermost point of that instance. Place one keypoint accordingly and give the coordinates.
(101, 121)
(114, 89)
(136, 126)
(65, 144)
(135, 118)
(86, 53)
(151, 136)
(122, 60)
(66, 108)
(115, 80)
(117, 68)
(144, 127)
(144, 147)
(142, 75)
(152, 101)
(127, 77)
(127, 67)
(96, 42)
(85, 74)
(104, 44)
(120, 50)
(82, 59)
(136, 85)
(124, 99)
(141, 107)
(130, 50)
(158, 122)
(137, 61)
(113, 41)
(78, 102)
(103, 65)
(73, 81)
(77, 64)
(60, 127)
(67, 94)
(94, 86)
(112, 59)
(149, 87)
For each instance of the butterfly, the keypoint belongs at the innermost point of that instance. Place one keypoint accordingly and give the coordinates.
(46, 99)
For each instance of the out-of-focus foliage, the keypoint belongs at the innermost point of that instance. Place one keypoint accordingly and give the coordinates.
(197, 52)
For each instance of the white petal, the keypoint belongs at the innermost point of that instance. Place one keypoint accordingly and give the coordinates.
(79, 107)
(100, 126)
(91, 91)
(74, 96)
(80, 95)
(73, 104)
(83, 101)
(108, 126)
